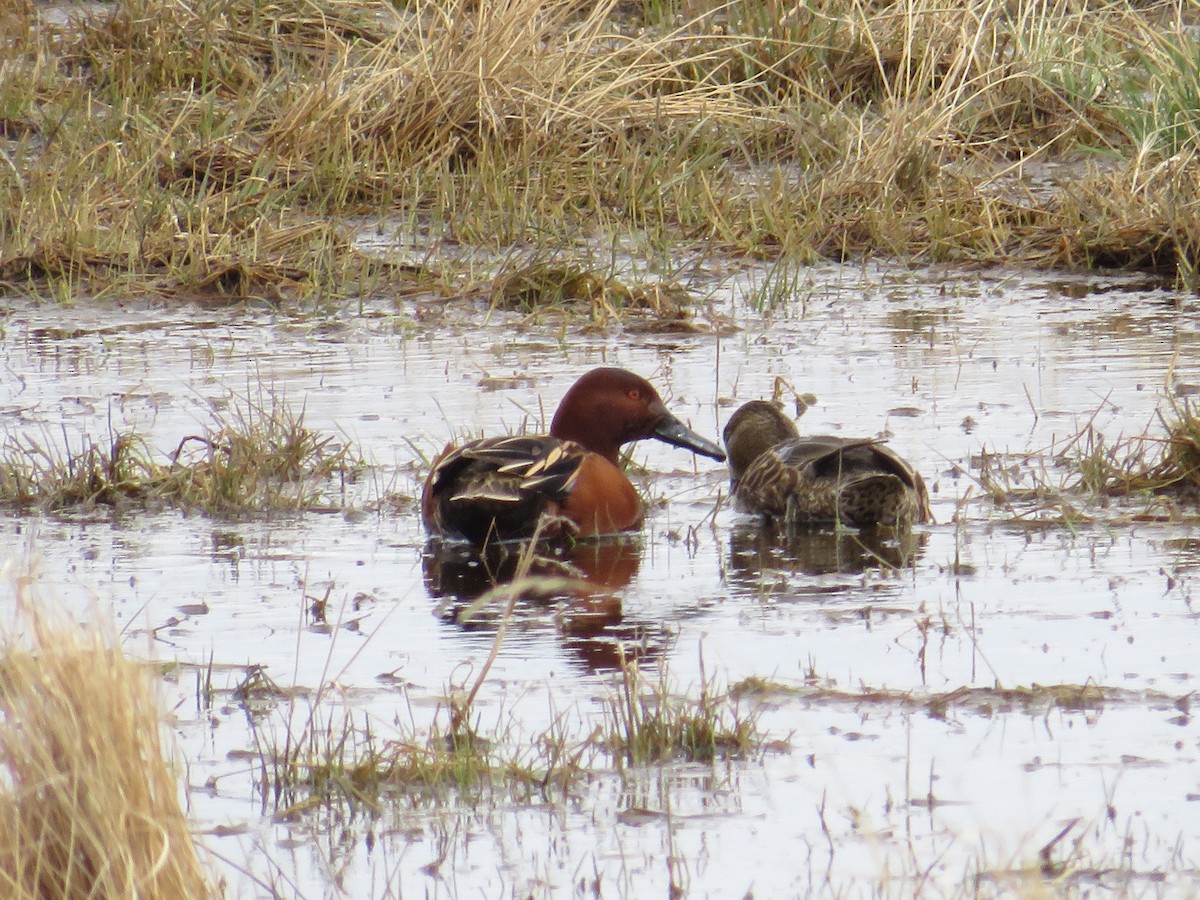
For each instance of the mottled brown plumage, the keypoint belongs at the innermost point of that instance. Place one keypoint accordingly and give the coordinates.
(818, 479)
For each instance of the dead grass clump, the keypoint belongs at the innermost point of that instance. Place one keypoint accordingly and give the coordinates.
(231, 47)
(532, 80)
(1183, 448)
(1163, 465)
(1136, 217)
(446, 82)
(842, 50)
(259, 458)
(35, 474)
(340, 762)
(1014, 77)
(58, 260)
(648, 723)
(1179, 466)
(284, 264)
(538, 286)
(140, 150)
(903, 119)
(89, 806)
(145, 48)
(663, 306)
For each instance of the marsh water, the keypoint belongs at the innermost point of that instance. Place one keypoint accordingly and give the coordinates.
(862, 786)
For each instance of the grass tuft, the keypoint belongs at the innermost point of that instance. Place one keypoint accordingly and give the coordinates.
(1159, 466)
(539, 288)
(258, 458)
(88, 806)
(647, 723)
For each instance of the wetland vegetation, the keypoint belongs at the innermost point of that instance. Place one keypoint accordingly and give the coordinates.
(231, 149)
(559, 178)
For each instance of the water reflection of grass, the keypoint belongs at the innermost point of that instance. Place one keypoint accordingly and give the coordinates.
(176, 150)
(255, 457)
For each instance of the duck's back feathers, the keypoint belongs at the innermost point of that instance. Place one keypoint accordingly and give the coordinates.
(858, 481)
(526, 462)
(499, 489)
(819, 478)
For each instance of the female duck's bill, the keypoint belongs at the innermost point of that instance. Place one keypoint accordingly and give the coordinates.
(818, 479)
(500, 488)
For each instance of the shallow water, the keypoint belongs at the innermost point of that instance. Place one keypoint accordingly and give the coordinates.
(872, 793)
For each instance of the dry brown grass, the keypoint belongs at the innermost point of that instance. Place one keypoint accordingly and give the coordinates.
(253, 457)
(89, 805)
(1074, 479)
(201, 149)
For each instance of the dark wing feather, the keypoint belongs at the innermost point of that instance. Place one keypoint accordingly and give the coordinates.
(499, 487)
(823, 451)
(846, 458)
(521, 464)
(506, 468)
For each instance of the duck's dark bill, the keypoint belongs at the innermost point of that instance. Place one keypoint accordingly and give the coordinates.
(672, 431)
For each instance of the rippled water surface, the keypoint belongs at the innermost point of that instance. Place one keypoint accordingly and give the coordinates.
(863, 787)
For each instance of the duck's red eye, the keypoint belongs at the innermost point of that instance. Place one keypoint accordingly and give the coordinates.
(634, 394)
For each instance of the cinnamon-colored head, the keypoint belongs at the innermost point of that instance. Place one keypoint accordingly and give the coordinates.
(609, 407)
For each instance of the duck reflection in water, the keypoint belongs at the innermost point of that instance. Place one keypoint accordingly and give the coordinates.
(761, 548)
(581, 582)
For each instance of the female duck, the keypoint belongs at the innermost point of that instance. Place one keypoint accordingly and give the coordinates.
(813, 480)
(500, 488)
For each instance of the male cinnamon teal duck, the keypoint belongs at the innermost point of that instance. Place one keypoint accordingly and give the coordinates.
(499, 488)
(818, 479)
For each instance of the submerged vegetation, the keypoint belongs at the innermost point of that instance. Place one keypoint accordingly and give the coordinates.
(223, 148)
